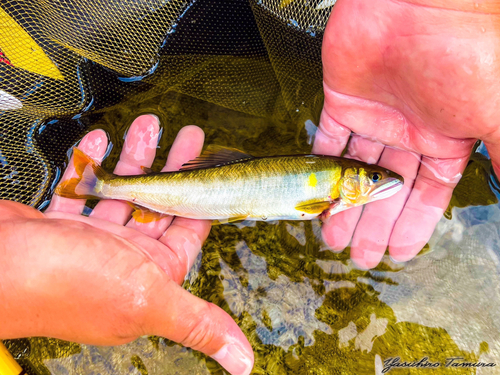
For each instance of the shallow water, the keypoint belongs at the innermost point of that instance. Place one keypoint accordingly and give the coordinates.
(305, 309)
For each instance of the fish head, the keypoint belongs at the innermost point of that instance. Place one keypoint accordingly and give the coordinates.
(364, 184)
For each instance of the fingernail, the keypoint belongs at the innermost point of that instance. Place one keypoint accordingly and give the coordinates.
(148, 122)
(156, 117)
(396, 261)
(94, 143)
(366, 259)
(360, 264)
(234, 359)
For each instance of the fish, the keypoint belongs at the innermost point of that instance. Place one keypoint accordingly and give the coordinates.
(228, 185)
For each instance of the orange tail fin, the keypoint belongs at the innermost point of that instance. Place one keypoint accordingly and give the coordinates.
(90, 178)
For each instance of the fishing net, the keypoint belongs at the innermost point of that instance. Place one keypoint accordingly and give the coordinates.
(64, 64)
(249, 73)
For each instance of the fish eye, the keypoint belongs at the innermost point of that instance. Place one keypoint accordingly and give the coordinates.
(376, 176)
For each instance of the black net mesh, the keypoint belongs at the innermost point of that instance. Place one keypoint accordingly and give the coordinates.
(64, 64)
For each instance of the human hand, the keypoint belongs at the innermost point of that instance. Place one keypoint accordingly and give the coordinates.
(422, 76)
(107, 279)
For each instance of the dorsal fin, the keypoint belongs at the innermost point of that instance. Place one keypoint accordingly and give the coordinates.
(216, 156)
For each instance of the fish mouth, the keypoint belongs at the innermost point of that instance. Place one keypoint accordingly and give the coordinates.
(386, 189)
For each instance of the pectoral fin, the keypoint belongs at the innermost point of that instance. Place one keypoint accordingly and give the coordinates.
(313, 207)
(335, 207)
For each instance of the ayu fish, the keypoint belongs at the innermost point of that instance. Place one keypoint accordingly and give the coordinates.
(228, 185)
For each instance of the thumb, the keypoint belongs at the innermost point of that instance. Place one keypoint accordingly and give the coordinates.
(176, 314)
(10, 210)
(91, 286)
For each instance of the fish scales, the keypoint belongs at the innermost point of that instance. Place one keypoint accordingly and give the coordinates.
(261, 188)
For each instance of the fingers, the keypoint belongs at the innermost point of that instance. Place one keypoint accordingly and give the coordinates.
(187, 146)
(338, 231)
(94, 144)
(185, 238)
(138, 150)
(377, 222)
(363, 149)
(331, 137)
(428, 200)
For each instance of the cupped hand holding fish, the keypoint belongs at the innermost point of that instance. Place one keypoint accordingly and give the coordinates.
(107, 279)
(422, 76)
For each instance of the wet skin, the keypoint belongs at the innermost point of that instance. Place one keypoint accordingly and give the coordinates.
(424, 77)
(107, 279)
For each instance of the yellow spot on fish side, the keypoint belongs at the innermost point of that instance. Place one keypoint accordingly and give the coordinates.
(312, 180)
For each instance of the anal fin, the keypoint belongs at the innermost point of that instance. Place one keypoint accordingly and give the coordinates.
(233, 219)
(143, 215)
